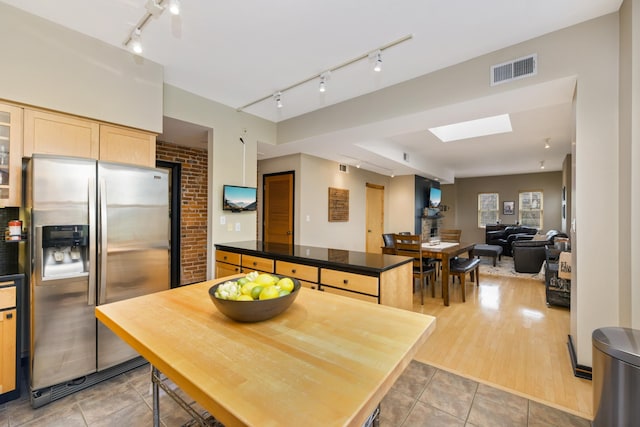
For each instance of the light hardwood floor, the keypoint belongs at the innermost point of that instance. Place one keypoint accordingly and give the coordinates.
(506, 336)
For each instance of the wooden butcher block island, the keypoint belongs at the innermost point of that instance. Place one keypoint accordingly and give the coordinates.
(326, 361)
(378, 278)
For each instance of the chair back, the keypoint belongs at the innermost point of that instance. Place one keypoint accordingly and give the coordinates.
(410, 245)
(552, 254)
(387, 238)
(450, 235)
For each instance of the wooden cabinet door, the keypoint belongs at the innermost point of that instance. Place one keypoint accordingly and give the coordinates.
(59, 134)
(8, 350)
(10, 156)
(122, 145)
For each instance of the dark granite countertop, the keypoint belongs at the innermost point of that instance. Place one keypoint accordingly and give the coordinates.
(353, 261)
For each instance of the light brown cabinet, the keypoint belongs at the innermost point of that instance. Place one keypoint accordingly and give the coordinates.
(52, 133)
(253, 263)
(123, 145)
(10, 156)
(48, 132)
(8, 341)
(227, 264)
(306, 274)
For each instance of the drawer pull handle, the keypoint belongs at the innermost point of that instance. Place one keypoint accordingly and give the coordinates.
(293, 271)
(345, 281)
(224, 258)
(9, 315)
(255, 263)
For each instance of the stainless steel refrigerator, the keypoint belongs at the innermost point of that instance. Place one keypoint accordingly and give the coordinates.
(99, 233)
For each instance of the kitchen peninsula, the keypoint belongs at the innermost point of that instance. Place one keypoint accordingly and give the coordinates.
(378, 278)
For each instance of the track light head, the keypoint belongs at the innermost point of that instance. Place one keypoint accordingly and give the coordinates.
(136, 44)
(174, 7)
(323, 81)
(378, 67)
(277, 97)
(154, 8)
(542, 164)
(546, 143)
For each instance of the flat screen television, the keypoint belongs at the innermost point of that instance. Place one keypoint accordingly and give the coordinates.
(238, 199)
(435, 196)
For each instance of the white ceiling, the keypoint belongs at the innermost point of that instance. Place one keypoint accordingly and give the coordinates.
(236, 52)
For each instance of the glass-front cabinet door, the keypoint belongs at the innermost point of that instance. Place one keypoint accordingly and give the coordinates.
(10, 155)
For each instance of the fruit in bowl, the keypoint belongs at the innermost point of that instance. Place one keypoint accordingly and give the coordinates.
(254, 297)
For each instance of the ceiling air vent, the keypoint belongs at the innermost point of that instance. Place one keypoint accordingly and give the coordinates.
(513, 70)
(344, 168)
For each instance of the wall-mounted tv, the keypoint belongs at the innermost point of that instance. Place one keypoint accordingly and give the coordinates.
(435, 196)
(238, 199)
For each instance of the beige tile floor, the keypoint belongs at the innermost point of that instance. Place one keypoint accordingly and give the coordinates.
(422, 396)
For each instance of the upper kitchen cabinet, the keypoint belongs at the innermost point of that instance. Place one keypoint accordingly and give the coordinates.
(52, 133)
(123, 145)
(63, 135)
(10, 155)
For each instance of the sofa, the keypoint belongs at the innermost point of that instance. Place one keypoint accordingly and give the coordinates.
(505, 236)
(529, 255)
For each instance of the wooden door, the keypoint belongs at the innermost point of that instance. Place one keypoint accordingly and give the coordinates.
(374, 217)
(278, 208)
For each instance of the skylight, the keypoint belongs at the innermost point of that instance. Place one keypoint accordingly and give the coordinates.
(473, 128)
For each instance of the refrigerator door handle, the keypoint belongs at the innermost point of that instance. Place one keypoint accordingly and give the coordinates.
(102, 249)
(91, 297)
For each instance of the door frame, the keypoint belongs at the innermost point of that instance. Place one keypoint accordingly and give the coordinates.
(293, 201)
(175, 220)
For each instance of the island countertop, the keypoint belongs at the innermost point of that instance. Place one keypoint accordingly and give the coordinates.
(326, 361)
(347, 260)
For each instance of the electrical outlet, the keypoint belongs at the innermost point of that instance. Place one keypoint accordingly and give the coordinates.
(308, 218)
(229, 227)
(237, 226)
(223, 220)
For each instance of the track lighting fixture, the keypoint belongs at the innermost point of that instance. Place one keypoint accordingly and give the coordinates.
(542, 164)
(154, 10)
(136, 44)
(378, 67)
(174, 7)
(374, 54)
(277, 96)
(546, 143)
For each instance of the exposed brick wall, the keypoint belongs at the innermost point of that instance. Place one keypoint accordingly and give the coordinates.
(193, 232)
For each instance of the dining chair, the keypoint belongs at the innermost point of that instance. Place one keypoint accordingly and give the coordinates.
(460, 267)
(450, 235)
(410, 245)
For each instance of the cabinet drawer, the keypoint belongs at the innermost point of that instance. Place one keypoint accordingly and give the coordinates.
(224, 269)
(7, 296)
(349, 281)
(256, 263)
(228, 257)
(362, 297)
(299, 271)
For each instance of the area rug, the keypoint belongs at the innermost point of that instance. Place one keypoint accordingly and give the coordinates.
(504, 267)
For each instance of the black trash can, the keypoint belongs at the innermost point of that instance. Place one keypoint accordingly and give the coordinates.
(616, 377)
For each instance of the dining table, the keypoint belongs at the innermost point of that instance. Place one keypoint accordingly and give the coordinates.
(327, 360)
(445, 251)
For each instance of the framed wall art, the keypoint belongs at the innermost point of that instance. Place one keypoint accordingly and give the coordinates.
(508, 208)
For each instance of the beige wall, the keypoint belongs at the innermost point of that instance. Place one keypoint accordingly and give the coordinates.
(313, 177)
(463, 195)
(49, 66)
